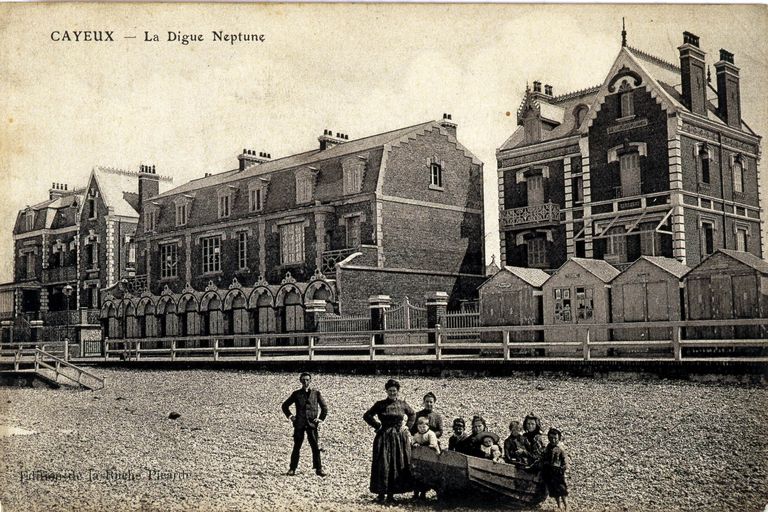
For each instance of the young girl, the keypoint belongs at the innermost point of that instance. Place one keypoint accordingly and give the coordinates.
(514, 445)
(489, 447)
(532, 438)
(459, 438)
(555, 464)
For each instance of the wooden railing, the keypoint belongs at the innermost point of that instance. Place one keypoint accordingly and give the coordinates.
(42, 360)
(443, 343)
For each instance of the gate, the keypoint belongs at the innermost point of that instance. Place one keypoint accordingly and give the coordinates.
(405, 316)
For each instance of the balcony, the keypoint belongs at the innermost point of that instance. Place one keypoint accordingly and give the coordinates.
(525, 216)
(60, 274)
(71, 317)
(331, 258)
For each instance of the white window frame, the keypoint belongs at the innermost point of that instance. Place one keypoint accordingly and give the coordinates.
(630, 163)
(242, 250)
(739, 229)
(627, 101)
(255, 199)
(29, 220)
(436, 175)
(181, 214)
(738, 181)
(224, 202)
(150, 220)
(169, 261)
(292, 243)
(210, 247)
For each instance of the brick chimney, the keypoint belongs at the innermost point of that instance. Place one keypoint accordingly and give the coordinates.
(448, 124)
(249, 157)
(537, 87)
(327, 140)
(693, 74)
(149, 183)
(57, 190)
(548, 90)
(728, 93)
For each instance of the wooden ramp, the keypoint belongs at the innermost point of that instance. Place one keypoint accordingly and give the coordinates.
(52, 369)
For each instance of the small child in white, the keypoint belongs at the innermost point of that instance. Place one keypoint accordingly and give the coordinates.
(424, 436)
(489, 447)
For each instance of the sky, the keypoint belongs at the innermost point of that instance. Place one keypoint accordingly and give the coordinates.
(359, 69)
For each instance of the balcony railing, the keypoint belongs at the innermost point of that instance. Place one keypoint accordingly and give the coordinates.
(547, 213)
(71, 317)
(331, 258)
(60, 274)
(136, 284)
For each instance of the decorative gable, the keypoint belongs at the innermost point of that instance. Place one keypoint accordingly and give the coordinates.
(353, 170)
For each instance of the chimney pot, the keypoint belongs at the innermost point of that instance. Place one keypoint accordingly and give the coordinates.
(726, 56)
(548, 90)
(536, 86)
(689, 38)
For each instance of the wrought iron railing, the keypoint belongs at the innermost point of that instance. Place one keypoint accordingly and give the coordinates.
(136, 284)
(331, 258)
(60, 274)
(547, 213)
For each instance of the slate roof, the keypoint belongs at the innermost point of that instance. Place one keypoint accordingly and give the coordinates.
(667, 77)
(533, 276)
(748, 259)
(307, 158)
(601, 269)
(113, 183)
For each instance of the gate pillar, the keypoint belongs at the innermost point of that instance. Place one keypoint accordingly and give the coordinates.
(378, 305)
(313, 309)
(7, 331)
(36, 330)
(437, 306)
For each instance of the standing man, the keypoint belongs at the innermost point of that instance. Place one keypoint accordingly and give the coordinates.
(310, 412)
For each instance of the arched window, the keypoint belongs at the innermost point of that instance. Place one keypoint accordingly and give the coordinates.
(738, 176)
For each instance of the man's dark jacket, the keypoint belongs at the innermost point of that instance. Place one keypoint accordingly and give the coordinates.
(310, 407)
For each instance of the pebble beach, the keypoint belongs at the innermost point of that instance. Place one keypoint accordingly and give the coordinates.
(635, 444)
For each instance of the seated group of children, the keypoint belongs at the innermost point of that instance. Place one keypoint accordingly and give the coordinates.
(524, 446)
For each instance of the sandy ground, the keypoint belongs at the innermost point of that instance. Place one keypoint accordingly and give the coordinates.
(634, 445)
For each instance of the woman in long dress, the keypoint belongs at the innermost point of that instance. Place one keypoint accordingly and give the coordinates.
(391, 462)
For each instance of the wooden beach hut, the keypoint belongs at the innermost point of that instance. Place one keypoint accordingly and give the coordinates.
(649, 290)
(727, 284)
(513, 296)
(578, 293)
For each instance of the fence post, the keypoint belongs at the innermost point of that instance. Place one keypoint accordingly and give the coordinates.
(437, 305)
(311, 347)
(586, 348)
(105, 348)
(258, 349)
(506, 345)
(372, 348)
(676, 349)
(438, 341)
(138, 350)
(173, 349)
(66, 349)
(216, 349)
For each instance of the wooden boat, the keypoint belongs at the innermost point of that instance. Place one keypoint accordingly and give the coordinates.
(453, 473)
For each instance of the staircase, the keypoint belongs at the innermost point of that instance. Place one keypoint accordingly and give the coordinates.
(52, 369)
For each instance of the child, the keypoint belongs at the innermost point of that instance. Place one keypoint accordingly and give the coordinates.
(514, 445)
(489, 447)
(459, 436)
(424, 437)
(555, 464)
(532, 438)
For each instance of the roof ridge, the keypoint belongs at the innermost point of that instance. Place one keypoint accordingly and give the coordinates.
(575, 94)
(652, 58)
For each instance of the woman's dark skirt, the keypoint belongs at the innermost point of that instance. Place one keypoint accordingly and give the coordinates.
(391, 464)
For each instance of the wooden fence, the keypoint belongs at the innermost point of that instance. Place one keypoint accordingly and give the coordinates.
(446, 343)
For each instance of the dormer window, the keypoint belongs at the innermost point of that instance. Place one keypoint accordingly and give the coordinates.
(353, 169)
(305, 185)
(579, 114)
(257, 194)
(225, 203)
(29, 220)
(738, 175)
(181, 214)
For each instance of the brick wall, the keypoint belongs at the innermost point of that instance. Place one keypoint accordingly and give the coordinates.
(654, 168)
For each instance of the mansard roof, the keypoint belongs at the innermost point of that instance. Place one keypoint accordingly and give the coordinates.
(373, 142)
(52, 213)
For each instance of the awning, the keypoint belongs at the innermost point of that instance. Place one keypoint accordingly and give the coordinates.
(630, 222)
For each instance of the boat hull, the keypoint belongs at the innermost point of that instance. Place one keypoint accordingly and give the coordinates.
(452, 473)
